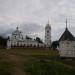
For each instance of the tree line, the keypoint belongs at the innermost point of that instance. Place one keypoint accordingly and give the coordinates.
(3, 42)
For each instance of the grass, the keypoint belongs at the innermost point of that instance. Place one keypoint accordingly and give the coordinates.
(4, 68)
(34, 61)
(51, 67)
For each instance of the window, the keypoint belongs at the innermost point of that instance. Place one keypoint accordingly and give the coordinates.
(47, 34)
(47, 31)
(15, 36)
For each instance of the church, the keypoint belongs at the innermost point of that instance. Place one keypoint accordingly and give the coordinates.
(17, 40)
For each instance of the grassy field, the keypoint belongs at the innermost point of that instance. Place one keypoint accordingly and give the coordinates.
(34, 61)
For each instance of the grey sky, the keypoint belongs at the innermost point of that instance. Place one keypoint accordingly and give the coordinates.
(32, 16)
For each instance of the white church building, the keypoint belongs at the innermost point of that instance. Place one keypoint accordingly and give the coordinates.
(67, 44)
(17, 40)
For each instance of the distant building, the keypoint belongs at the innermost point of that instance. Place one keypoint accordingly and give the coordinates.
(67, 44)
(17, 39)
(48, 35)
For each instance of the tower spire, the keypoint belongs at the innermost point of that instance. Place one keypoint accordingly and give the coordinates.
(48, 21)
(66, 23)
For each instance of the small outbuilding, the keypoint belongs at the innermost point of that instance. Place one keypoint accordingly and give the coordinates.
(67, 44)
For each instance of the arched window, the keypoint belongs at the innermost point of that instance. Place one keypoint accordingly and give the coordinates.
(47, 31)
(15, 37)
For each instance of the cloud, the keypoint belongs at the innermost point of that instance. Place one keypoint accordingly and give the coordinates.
(31, 29)
(34, 14)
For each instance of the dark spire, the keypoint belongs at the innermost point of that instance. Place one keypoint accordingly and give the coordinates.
(66, 23)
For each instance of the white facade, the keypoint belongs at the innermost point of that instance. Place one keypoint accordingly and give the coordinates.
(17, 40)
(67, 48)
(48, 35)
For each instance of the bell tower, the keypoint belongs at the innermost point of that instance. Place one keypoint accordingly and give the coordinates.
(48, 35)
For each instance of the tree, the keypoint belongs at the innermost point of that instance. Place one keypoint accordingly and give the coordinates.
(3, 42)
(38, 40)
(55, 44)
(28, 38)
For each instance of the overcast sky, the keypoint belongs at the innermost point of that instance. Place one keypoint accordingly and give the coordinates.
(32, 15)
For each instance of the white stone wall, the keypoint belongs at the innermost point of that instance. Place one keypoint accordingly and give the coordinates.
(67, 48)
(22, 43)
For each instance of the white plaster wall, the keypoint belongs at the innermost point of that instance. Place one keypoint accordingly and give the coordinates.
(23, 42)
(67, 48)
(8, 44)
